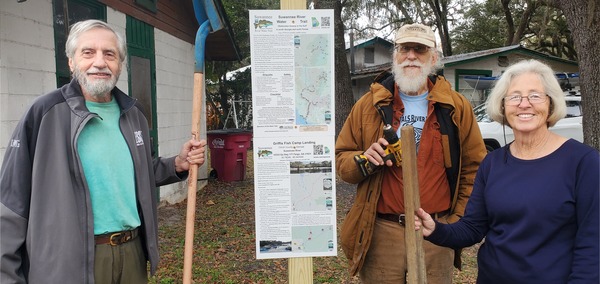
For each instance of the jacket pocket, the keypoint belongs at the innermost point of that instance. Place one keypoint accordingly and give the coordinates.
(446, 151)
(438, 149)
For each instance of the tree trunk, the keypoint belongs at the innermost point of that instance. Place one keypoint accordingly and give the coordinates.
(510, 24)
(344, 99)
(525, 19)
(440, 10)
(583, 19)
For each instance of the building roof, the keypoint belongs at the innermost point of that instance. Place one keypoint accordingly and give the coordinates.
(505, 50)
(220, 45)
(372, 41)
(371, 71)
(457, 59)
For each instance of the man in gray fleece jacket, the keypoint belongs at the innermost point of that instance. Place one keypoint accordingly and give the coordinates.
(77, 198)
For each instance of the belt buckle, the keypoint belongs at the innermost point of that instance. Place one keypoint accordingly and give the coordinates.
(402, 219)
(120, 237)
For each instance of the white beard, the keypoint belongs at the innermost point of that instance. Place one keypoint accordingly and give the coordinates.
(411, 82)
(97, 88)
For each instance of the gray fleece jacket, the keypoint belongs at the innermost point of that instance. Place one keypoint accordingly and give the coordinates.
(46, 222)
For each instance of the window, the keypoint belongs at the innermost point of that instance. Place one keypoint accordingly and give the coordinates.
(142, 68)
(77, 10)
(369, 55)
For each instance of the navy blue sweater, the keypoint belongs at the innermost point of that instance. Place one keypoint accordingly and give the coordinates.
(540, 218)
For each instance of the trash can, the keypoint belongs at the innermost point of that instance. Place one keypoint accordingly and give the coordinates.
(229, 153)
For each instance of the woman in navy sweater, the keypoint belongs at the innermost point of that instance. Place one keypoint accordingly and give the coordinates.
(535, 200)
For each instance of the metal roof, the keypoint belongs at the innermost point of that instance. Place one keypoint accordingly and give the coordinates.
(482, 54)
(459, 58)
(370, 71)
(372, 41)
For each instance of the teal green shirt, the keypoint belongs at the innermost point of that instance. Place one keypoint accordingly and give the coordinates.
(108, 169)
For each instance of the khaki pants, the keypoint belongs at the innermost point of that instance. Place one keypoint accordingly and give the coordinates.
(386, 259)
(121, 264)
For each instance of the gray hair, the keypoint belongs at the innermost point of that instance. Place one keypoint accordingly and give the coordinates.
(558, 107)
(80, 27)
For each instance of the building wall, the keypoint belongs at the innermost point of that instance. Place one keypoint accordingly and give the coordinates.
(118, 21)
(174, 93)
(27, 64)
(477, 97)
(483, 65)
(27, 70)
(361, 87)
(382, 55)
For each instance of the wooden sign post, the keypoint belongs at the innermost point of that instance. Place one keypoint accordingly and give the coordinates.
(300, 269)
(415, 257)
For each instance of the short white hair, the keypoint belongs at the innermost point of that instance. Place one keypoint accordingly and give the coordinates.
(558, 106)
(80, 27)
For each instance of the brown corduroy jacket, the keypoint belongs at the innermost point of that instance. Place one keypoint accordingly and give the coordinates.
(364, 126)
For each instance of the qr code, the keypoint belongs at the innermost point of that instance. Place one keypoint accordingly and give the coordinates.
(317, 149)
(325, 21)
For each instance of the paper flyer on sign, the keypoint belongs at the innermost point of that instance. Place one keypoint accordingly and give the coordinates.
(292, 55)
(294, 127)
(294, 197)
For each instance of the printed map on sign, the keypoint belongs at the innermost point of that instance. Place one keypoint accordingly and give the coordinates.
(313, 79)
(312, 238)
(311, 192)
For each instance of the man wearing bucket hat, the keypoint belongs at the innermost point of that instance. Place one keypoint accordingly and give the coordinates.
(449, 150)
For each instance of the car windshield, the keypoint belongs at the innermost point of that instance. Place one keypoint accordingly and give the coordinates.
(480, 113)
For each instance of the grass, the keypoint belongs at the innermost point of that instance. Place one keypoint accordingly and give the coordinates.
(224, 242)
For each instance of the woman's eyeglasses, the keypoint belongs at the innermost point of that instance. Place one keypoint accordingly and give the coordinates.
(533, 98)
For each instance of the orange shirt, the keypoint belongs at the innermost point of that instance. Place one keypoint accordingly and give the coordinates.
(433, 184)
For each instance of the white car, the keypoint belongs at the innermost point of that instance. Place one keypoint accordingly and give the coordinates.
(495, 135)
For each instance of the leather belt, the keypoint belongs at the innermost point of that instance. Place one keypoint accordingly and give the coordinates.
(116, 238)
(400, 218)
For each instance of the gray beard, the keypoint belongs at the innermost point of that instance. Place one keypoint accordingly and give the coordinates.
(411, 83)
(98, 89)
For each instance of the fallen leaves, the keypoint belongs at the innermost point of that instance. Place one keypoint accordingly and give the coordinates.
(224, 240)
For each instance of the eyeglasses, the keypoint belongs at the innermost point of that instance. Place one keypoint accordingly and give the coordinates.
(418, 49)
(533, 98)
